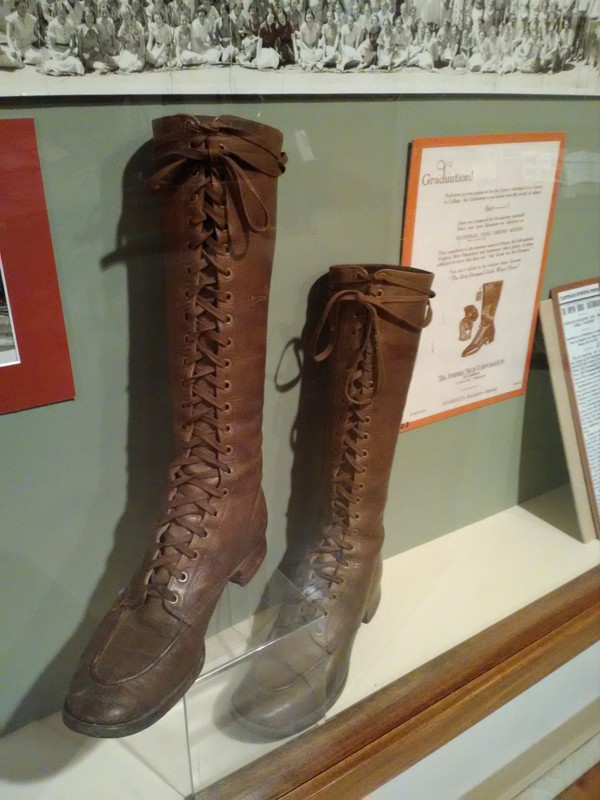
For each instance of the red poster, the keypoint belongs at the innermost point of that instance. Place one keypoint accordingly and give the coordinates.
(35, 368)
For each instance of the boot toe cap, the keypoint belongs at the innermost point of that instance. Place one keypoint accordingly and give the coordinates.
(279, 698)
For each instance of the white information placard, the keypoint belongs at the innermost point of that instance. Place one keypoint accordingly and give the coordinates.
(577, 315)
(478, 215)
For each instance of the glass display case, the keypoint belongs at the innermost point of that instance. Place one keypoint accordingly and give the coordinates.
(486, 585)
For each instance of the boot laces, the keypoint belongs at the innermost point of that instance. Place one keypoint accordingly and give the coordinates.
(346, 488)
(212, 159)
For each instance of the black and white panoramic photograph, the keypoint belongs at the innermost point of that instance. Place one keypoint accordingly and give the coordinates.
(299, 46)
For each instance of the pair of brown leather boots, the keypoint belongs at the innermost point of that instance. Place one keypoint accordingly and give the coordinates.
(217, 177)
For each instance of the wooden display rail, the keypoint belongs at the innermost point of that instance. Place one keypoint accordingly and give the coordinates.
(379, 737)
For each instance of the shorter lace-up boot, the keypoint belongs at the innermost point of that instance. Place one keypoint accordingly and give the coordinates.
(217, 177)
(368, 335)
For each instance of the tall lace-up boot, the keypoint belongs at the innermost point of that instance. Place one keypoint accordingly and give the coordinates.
(368, 335)
(217, 177)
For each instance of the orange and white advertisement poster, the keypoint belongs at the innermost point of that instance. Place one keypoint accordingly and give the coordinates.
(478, 215)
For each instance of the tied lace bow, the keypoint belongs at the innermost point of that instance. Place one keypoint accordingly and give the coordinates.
(375, 307)
(218, 149)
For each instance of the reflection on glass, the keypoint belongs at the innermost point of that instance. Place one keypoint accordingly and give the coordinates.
(9, 353)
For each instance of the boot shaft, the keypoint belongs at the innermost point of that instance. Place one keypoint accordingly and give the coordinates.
(219, 178)
(490, 298)
(375, 316)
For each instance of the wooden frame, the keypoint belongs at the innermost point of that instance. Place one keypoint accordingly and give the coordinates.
(392, 729)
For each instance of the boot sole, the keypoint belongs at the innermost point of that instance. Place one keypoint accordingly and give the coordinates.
(135, 726)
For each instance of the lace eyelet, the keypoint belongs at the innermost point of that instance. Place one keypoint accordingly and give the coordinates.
(227, 428)
(228, 274)
(227, 363)
(227, 385)
(227, 407)
(229, 449)
(174, 599)
(183, 577)
(229, 342)
(196, 555)
(225, 492)
(365, 453)
(228, 297)
(228, 319)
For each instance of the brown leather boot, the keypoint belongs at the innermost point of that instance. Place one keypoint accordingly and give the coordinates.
(486, 332)
(218, 182)
(373, 322)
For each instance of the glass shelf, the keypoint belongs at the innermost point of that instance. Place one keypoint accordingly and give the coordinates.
(218, 740)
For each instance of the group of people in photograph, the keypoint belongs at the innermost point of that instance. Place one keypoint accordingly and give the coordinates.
(74, 37)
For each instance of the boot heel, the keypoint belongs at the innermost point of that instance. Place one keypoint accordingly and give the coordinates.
(373, 605)
(249, 566)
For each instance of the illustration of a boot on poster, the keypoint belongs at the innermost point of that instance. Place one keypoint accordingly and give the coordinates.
(486, 333)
